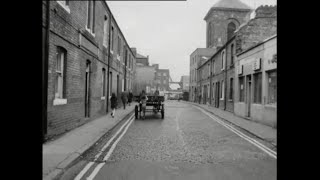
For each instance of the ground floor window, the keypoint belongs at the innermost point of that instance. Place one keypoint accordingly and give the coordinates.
(272, 87)
(222, 90)
(241, 89)
(257, 78)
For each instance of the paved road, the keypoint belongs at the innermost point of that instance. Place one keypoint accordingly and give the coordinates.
(186, 144)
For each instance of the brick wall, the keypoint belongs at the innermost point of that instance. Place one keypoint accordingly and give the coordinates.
(68, 30)
(220, 20)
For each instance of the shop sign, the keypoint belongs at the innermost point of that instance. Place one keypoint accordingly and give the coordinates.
(257, 64)
(240, 69)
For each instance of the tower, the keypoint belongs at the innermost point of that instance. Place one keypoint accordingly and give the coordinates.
(223, 19)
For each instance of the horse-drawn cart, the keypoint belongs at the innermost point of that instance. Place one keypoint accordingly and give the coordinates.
(156, 102)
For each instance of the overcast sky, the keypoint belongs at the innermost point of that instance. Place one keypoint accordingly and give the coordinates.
(167, 31)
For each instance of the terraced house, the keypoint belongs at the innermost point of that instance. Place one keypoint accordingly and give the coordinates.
(236, 77)
(87, 58)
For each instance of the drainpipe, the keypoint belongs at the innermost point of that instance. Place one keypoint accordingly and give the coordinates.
(226, 80)
(109, 56)
(45, 73)
(210, 81)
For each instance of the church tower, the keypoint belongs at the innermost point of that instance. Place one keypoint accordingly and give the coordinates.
(223, 19)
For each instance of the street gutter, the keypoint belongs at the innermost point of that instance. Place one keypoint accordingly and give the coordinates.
(272, 145)
(76, 156)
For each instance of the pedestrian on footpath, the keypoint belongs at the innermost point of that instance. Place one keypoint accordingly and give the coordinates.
(143, 100)
(113, 100)
(130, 98)
(124, 99)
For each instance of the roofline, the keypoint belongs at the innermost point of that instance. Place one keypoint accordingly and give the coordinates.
(260, 43)
(223, 8)
(114, 19)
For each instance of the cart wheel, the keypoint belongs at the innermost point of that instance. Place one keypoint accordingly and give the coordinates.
(136, 111)
(162, 111)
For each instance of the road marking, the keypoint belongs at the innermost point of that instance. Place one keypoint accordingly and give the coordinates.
(249, 139)
(178, 127)
(97, 168)
(87, 167)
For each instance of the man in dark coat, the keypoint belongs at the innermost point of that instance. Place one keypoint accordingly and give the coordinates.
(124, 99)
(113, 100)
(130, 96)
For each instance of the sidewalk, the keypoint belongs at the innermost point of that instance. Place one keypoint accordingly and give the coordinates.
(262, 131)
(59, 153)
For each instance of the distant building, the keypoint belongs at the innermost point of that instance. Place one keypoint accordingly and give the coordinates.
(140, 59)
(184, 81)
(197, 57)
(144, 74)
(162, 78)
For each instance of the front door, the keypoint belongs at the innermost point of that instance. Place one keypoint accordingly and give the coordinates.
(205, 95)
(248, 96)
(87, 91)
(217, 94)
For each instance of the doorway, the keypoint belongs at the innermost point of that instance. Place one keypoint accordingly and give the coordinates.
(87, 90)
(248, 95)
(217, 94)
(205, 95)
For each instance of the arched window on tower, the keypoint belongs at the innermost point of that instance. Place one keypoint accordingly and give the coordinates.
(209, 34)
(212, 34)
(231, 29)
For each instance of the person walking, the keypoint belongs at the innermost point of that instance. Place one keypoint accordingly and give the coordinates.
(124, 99)
(113, 100)
(143, 99)
(130, 98)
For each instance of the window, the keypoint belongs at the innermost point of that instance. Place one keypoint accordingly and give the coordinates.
(272, 87)
(222, 60)
(164, 74)
(105, 30)
(231, 89)
(257, 88)
(60, 73)
(222, 91)
(119, 45)
(91, 16)
(65, 5)
(232, 60)
(241, 89)
(111, 40)
(103, 82)
(231, 29)
(164, 81)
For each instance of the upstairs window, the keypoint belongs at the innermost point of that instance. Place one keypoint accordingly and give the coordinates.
(119, 45)
(60, 73)
(111, 40)
(223, 60)
(91, 16)
(232, 52)
(105, 31)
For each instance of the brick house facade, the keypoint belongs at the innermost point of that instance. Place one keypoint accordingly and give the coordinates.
(80, 65)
